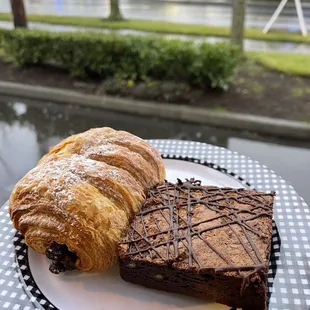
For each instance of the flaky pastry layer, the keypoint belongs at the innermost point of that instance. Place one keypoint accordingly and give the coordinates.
(83, 194)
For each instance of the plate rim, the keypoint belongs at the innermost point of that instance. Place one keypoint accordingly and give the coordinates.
(211, 165)
(30, 283)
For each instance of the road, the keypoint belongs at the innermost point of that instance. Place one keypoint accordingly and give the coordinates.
(177, 11)
(29, 128)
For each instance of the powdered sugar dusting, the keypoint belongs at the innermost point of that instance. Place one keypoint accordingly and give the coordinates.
(54, 178)
(61, 176)
(104, 149)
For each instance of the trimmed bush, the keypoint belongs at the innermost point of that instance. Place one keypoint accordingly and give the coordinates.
(2, 33)
(87, 54)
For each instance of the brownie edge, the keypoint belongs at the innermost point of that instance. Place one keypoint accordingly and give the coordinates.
(203, 241)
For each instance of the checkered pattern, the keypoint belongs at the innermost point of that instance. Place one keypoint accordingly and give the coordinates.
(13, 294)
(290, 258)
(21, 251)
(289, 273)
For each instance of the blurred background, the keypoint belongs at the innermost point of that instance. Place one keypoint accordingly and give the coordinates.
(211, 12)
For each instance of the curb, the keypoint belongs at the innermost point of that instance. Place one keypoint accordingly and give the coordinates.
(184, 113)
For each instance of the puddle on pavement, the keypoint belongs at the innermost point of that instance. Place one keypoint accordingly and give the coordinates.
(29, 128)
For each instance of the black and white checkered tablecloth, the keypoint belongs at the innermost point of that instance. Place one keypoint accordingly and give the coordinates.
(289, 273)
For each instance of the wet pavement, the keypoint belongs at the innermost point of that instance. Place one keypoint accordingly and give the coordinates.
(249, 45)
(29, 128)
(190, 11)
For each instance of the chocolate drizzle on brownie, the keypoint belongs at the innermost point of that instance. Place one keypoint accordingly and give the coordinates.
(174, 197)
(62, 259)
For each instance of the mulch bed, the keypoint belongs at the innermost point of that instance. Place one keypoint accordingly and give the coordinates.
(254, 90)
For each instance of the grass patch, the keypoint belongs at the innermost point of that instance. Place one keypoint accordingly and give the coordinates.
(162, 27)
(256, 88)
(297, 92)
(293, 64)
(220, 109)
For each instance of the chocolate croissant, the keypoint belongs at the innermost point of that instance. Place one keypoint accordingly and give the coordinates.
(76, 204)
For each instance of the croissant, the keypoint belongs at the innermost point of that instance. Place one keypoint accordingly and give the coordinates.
(76, 204)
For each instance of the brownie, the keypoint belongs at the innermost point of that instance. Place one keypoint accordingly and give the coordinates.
(203, 241)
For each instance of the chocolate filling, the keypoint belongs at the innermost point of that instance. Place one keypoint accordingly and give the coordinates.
(62, 259)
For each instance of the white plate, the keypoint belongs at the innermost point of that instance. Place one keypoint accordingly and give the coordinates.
(106, 290)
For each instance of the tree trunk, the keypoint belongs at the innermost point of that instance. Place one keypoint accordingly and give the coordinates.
(237, 27)
(115, 11)
(19, 13)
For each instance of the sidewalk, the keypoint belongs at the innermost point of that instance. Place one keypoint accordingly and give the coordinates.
(249, 45)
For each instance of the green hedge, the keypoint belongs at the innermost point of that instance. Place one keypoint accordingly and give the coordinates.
(128, 57)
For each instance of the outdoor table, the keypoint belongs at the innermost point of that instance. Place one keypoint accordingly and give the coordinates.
(290, 257)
